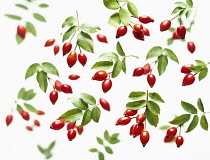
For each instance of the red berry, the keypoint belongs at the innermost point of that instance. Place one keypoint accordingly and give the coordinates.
(104, 104)
(66, 48)
(171, 132)
(57, 124)
(121, 31)
(39, 112)
(138, 71)
(138, 35)
(145, 19)
(66, 88)
(101, 38)
(56, 49)
(175, 35)
(100, 75)
(9, 119)
(130, 112)
(146, 31)
(151, 79)
(138, 28)
(140, 118)
(53, 96)
(144, 137)
(181, 31)
(71, 125)
(136, 129)
(147, 68)
(82, 59)
(179, 141)
(57, 85)
(191, 46)
(25, 115)
(49, 42)
(29, 128)
(123, 120)
(79, 130)
(74, 76)
(21, 31)
(36, 122)
(168, 139)
(72, 59)
(165, 25)
(185, 69)
(188, 79)
(71, 134)
(106, 85)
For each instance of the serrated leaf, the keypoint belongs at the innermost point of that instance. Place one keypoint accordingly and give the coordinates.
(188, 107)
(151, 118)
(19, 108)
(12, 16)
(30, 28)
(69, 32)
(136, 95)
(51, 146)
(116, 69)
(124, 65)
(69, 21)
(89, 28)
(181, 4)
(120, 49)
(111, 4)
(177, 9)
(114, 138)
(87, 98)
(189, 3)
(99, 140)
(21, 93)
(29, 95)
(124, 16)
(102, 65)
(21, 6)
(179, 120)
(32, 70)
(195, 69)
(108, 149)
(43, 5)
(19, 39)
(41, 78)
(110, 56)
(200, 63)
(156, 97)
(114, 20)
(49, 68)
(85, 41)
(93, 150)
(204, 123)
(101, 156)
(30, 107)
(170, 54)
(86, 118)
(132, 9)
(203, 73)
(200, 105)
(79, 103)
(153, 107)
(106, 135)
(72, 115)
(95, 114)
(39, 17)
(136, 104)
(170, 41)
(193, 123)
(162, 64)
(154, 52)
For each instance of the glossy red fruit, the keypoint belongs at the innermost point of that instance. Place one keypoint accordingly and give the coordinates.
(100, 75)
(66, 88)
(106, 85)
(188, 79)
(104, 104)
(138, 72)
(185, 69)
(151, 79)
(138, 35)
(179, 141)
(165, 25)
(57, 124)
(29, 128)
(140, 118)
(71, 125)
(71, 134)
(49, 42)
(144, 137)
(39, 112)
(82, 59)
(101, 38)
(56, 49)
(74, 76)
(57, 85)
(136, 129)
(181, 31)
(66, 48)
(25, 115)
(79, 130)
(36, 122)
(145, 19)
(53, 96)
(146, 31)
(168, 139)
(130, 112)
(9, 119)
(21, 31)
(171, 132)
(123, 121)
(138, 27)
(147, 68)
(72, 59)
(121, 31)
(191, 46)
(175, 35)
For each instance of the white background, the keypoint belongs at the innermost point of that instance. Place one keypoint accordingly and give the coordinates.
(18, 143)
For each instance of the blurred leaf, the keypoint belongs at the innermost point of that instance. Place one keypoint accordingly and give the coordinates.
(116, 69)
(120, 49)
(179, 120)
(102, 65)
(99, 140)
(181, 4)
(79, 103)
(124, 16)
(42, 150)
(156, 97)
(21, 93)
(101, 156)
(200, 105)
(154, 52)
(165, 127)
(111, 4)
(72, 115)
(39, 17)
(85, 41)
(87, 98)
(21, 6)
(162, 64)
(34, 68)
(12, 16)
(114, 20)
(189, 3)
(151, 118)
(106, 136)
(188, 107)
(19, 39)
(95, 114)
(136, 104)
(86, 118)
(69, 21)
(203, 73)
(204, 123)
(132, 9)
(89, 28)
(193, 123)
(136, 95)
(42, 80)
(114, 138)
(177, 9)
(51, 146)
(153, 107)
(170, 41)
(108, 149)
(49, 68)
(19, 108)
(30, 28)
(30, 107)
(93, 150)
(29, 95)
(43, 5)
(69, 32)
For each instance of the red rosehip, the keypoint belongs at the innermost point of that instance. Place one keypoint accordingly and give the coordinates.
(140, 118)
(123, 120)
(9, 119)
(121, 31)
(106, 85)
(145, 19)
(179, 141)
(71, 134)
(29, 128)
(147, 68)
(39, 112)
(138, 27)
(56, 49)
(21, 31)
(65, 88)
(79, 130)
(104, 104)
(82, 59)
(181, 31)
(25, 115)
(151, 79)
(171, 132)
(66, 48)
(74, 76)
(144, 137)
(57, 85)
(101, 38)
(185, 69)
(165, 25)
(191, 46)
(53, 96)
(138, 35)
(57, 124)
(130, 112)
(71, 59)
(36, 122)
(71, 125)
(188, 79)
(49, 42)
(136, 129)
(100, 75)
(138, 71)
(146, 31)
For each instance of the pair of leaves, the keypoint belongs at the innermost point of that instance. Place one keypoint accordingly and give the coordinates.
(26, 95)
(47, 152)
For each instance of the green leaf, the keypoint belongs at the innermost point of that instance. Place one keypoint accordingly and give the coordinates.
(162, 64)
(85, 41)
(93, 150)
(116, 69)
(203, 73)
(42, 150)
(204, 123)
(120, 49)
(183, 12)
(165, 127)
(19, 39)
(193, 123)
(12, 16)
(72, 115)
(79, 103)
(170, 41)
(102, 65)
(34, 68)
(188, 12)
(99, 140)
(200, 63)
(156, 97)
(111, 4)
(136, 95)
(30, 107)
(108, 149)
(106, 136)
(95, 114)
(153, 107)
(154, 52)
(51, 146)
(101, 156)
(89, 28)
(124, 16)
(151, 118)
(179, 120)
(69, 21)
(21, 6)
(114, 20)
(195, 69)
(200, 105)
(49, 68)
(188, 107)
(124, 65)
(69, 32)
(189, 3)
(21, 93)
(177, 9)
(132, 9)
(30, 28)
(110, 56)
(28, 95)
(114, 138)
(86, 118)
(39, 17)
(87, 98)
(41, 78)
(170, 54)
(19, 108)
(43, 5)
(181, 4)
(136, 104)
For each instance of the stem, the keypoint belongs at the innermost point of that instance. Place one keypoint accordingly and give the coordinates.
(132, 56)
(180, 130)
(155, 62)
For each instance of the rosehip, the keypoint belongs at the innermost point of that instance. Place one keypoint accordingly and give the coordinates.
(188, 79)
(138, 28)
(171, 132)
(179, 141)
(121, 31)
(57, 124)
(130, 112)
(56, 49)
(66, 48)
(104, 104)
(165, 25)
(25, 115)
(138, 35)
(185, 69)
(71, 134)
(146, 31)
(74, 76)
(49, 42)
(72, 59)
(181, 31)
(39, 112)
(144, 137)
(21, 31)
(138, 71)
(136, 129)
(175, 35)
(151, 79)
(66, 88)
(106, 85)
(82, 59)
(57, 85)
(168, 139)
(29, 128)
(191, 46)
(100, 75)
(145, 19)
(79, 130)
(140, 118)
(101, 38)
(123, 120)
(147, 68)
(53, 96)
(71, 125)
(36, 122)
(9, 119)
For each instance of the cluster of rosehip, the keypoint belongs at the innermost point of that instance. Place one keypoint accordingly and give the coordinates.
(21, 31)
(138, 30)
(189, 78)
(72, 128)
(137, 129)
(26, 116)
